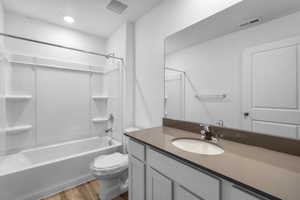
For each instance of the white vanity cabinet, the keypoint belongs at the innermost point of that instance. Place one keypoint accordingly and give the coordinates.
(137, 171)
(158, 186)
(181, 193)
(203, 185)
(137, 179)
(241, 193)
(156, 176)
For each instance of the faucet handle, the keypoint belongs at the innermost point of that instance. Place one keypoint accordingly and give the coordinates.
(207, 128)
(220, 123)
(206, 131)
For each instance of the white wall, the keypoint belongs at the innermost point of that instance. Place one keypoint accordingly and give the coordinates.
(150, 31)
(1, 23)
(2, 144)
(121, 43)
(215, 67)
(31, 28)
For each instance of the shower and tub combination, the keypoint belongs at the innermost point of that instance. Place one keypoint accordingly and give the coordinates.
(43, 171)
(53, 116)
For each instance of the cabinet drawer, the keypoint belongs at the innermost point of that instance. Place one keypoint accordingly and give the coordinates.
(238, 192)
(201, 184)
(181, 193)
(136, 149)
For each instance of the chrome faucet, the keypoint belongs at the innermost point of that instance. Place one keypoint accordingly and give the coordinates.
(206, 132)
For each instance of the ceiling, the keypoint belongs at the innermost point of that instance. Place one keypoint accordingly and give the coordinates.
(91, 16)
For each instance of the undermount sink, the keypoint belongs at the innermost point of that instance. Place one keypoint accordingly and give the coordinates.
(197, 146)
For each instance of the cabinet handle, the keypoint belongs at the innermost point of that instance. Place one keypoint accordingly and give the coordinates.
(242, 189)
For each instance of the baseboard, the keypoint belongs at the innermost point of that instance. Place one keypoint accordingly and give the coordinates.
(59, 188)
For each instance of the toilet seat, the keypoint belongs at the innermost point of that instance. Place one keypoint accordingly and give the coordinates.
(109, 164)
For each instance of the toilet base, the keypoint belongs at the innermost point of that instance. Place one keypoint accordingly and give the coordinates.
(114, 187)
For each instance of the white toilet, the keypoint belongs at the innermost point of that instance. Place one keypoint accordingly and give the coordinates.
(112, 171)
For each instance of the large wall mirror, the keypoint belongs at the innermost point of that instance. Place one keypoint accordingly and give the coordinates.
(238, 68)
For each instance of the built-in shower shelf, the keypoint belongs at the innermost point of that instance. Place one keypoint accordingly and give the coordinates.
(52, 63)
(100, 97)
(202, 97)
(99, 120)
(17, 129)
(18, 97)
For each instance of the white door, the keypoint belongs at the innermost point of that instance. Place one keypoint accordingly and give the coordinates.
(270, 89)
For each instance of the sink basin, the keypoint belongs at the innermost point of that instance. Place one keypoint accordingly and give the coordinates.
(197, 146)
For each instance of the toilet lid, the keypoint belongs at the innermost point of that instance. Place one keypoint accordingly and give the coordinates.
(111, 162)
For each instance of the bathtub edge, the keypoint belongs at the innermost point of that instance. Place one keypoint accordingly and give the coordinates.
(59, 188)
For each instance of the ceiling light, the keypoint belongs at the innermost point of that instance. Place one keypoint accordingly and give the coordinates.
(69, 19)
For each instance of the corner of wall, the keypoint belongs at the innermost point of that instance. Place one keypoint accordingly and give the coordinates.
(130, 58)
(1, 25)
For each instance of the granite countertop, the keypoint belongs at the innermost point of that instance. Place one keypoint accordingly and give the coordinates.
(274, 173)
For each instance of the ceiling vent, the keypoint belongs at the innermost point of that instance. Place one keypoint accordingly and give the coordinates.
(251, 22)
(116, 6)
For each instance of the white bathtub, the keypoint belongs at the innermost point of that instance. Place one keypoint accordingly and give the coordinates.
(39, 172)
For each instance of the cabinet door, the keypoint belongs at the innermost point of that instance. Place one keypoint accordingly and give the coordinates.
(136, 179)
(182, 194)
(159, 187)
(243, 194)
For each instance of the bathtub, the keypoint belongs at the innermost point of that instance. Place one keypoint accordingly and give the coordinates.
(39, 172)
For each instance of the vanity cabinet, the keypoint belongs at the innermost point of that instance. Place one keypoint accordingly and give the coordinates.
(153, 175)
(181, 193)
(137, 179)
(137, 171)
(240, 193)
(159, 186)
(203, 185)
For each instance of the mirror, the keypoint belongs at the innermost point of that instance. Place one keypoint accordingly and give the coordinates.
(238, 68)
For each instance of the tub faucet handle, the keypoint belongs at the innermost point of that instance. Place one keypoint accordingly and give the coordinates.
(108, 130)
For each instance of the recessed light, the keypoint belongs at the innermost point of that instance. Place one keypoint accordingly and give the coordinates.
(69, 19)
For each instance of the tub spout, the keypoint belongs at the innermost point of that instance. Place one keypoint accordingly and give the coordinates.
(110, 130)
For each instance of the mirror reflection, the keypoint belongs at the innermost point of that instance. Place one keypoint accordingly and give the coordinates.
(238, 69)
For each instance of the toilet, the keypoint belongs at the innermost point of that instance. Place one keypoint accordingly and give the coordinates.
(112, 172)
